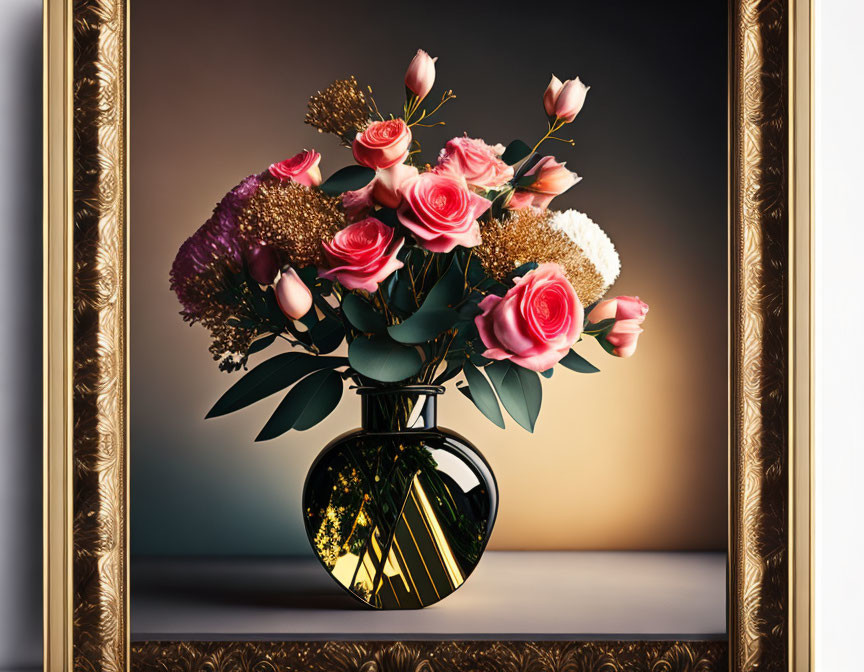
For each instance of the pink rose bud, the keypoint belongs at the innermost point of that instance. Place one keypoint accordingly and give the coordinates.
(551, 94)
(292, 295)
(302, 168)
(383, 144)
(420, 75)
(362, 255)
(387, 185)
(552, 179)
(535, 323)
(629, 313)
(441, 212)
(564, 101)
(263, 264)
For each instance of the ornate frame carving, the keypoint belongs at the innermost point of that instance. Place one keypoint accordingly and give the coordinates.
(86, 379)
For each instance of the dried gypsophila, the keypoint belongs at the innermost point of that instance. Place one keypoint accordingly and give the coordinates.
(529, 235)
(293, 220)
(340, 109)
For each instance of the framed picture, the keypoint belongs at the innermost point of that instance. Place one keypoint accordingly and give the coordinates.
(429, 338)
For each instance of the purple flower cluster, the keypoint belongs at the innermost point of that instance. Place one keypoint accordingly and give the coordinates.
(217, 240)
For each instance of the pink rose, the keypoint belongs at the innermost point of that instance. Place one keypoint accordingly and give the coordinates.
(564, 100)
(479, 163)
(536, 323)
(292, 295)
(302, 168)
(362, 255)
(382, 144)
(441, 212)
(383, 190)
(420, 75)
(553, 179)
(629, 313)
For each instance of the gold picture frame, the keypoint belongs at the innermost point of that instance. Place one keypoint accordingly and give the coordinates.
(86, 379)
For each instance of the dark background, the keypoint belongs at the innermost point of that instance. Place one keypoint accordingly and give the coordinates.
(631, 458)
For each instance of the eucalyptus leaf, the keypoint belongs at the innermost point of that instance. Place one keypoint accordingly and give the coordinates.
(306, 404)
(449, 289)
(515, 152)
(577, 363)
(260, 343)
(450, 371)
(363, 314)
(382, 359)
(327, 335)
(269, 377)
(349, 178)
(424, 325)
(519, 390)
(482, 394)
(547, 373)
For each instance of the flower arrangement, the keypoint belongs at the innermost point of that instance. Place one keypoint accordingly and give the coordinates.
(429, 272)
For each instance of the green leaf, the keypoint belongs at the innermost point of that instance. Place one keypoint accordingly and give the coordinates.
(363, 315)
(526, 180)
(450, 371)
(577, 363)
(306, 404)
(449, 289)
(547, 373)
(269, 377)
(260, 343)
(519, 390)
(515, 152)
(349, 178)
(482, 394)
(424, 325)
(384, 360)
(327, 335)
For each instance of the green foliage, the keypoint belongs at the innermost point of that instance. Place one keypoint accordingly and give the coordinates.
(577, 363)
(306, 404)
(349, 178)
(519, 390)
(269, 377)
(382, 359)
(363, 315)
(482, 394)
(515, 152)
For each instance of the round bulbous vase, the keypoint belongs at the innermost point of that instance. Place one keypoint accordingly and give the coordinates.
(399, 511)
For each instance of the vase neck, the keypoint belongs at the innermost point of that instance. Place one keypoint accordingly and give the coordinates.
(410, 408)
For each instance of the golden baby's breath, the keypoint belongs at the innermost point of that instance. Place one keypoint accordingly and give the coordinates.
(525, 236)
(293, 219)
(340, 109)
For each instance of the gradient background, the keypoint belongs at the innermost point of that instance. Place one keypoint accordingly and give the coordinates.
(631, 458)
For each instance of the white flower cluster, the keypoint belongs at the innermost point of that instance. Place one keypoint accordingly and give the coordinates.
(591, 239)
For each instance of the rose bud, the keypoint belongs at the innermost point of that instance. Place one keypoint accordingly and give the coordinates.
(420, 74)
(629, 313)
(564, 101)
(362, 255)
(301, 168)
(552, 179)
(441, 212)
(292, 295)
(387, 185)
(535, 323)
(263, 263)
(480, 164)
(550, 95)
(383, 144)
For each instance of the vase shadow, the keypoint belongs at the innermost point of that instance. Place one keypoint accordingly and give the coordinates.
(279, 584)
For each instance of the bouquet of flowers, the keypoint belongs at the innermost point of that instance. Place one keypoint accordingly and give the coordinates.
(430, 273)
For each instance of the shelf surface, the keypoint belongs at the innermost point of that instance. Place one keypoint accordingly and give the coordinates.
(511, 595)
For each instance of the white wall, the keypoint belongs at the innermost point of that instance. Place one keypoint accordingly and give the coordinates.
(840, 327)
(20, 333)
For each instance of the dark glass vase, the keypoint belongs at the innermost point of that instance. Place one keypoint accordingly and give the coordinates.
(399, 511)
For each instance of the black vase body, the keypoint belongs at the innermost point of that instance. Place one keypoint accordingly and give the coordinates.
(399, 512)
